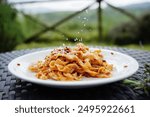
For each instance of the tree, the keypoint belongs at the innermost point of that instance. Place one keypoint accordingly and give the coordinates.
(132, 32)
(10, 33)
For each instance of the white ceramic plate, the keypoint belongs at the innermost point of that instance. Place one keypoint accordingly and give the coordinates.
(118, 60)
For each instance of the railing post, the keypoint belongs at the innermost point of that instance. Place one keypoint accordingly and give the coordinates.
(99, 15)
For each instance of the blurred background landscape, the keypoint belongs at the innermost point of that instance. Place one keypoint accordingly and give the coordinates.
(36, 23)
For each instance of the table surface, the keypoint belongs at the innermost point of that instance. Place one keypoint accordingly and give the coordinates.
(11, 88)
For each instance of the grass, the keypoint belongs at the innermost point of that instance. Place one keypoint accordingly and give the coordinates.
(54, 43)
(134, 46)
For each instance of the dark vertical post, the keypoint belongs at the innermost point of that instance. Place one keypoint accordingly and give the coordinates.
(99, 15)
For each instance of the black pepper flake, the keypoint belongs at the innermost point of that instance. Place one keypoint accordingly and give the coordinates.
(112, 53)
(67, 50)
(18, 64)
(104, 60)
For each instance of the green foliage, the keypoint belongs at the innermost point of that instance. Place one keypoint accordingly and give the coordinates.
(144, 28)
(144, 84)
(132, 32)
(10, 33)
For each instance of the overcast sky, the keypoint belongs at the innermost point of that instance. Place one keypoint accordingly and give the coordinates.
(71, 5)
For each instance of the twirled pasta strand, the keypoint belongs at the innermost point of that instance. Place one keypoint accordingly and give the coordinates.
(72, 64)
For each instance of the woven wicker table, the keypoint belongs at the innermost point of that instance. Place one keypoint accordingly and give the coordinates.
(13, 88)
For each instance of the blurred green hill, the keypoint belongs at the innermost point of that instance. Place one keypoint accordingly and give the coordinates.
(82, 27)
(85, 25)
(139, 7)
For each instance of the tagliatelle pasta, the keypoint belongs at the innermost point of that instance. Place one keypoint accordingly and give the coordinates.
(67, 64)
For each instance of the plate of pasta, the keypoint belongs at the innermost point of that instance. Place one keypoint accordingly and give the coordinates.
(73, 67)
